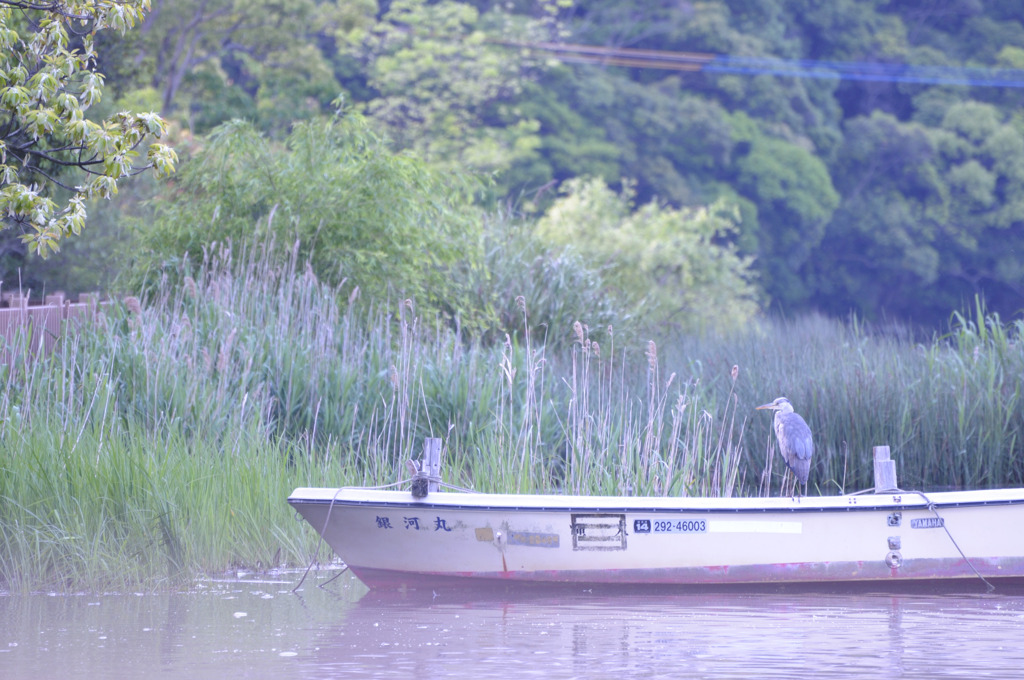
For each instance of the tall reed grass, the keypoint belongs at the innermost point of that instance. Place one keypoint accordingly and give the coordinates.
(161, 441)
(950, 407)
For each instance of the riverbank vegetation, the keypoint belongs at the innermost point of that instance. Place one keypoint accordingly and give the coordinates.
(162, 441)
(494, 224)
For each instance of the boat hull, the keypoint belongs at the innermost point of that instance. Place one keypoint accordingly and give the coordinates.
(390, 539)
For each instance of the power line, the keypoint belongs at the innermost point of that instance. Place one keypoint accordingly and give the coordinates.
(793, 68)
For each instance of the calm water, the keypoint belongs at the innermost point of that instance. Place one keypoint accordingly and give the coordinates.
(256, 628)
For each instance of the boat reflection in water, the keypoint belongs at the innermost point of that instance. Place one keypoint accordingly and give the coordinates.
(255, 627)
(726, 634)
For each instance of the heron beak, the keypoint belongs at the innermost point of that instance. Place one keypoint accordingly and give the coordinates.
(764, 406)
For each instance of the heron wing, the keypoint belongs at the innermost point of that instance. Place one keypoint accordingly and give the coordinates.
(797, 436)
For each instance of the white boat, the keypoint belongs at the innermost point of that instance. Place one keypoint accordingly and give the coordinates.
(430, 538)
(394, 539)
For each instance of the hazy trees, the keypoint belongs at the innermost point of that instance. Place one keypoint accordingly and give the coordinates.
(855, 190)
(674, 266)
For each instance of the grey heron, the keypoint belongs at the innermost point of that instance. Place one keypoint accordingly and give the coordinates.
(794, 437)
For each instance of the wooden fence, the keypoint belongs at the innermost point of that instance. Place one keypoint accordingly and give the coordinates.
(36, 329)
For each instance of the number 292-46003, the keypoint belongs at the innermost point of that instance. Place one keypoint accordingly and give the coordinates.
(670, 526)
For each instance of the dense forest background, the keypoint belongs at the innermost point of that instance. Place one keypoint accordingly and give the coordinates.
(701, 161)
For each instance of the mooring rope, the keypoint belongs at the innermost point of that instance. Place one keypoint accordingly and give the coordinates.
(316, 553)
(408, 480)
(401, 482)
(457, 488)
(942, 523)
(321, 585)
(381, 486)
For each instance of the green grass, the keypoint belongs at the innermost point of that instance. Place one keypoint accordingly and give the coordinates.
(160, 442)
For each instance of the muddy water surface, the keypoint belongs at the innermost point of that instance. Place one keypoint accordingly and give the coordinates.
(255, 627)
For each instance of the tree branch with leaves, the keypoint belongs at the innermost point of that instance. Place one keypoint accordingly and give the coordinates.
(52, 156)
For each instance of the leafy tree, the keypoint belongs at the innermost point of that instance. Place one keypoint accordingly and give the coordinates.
(52, 156)
(447, 84)
(333, 195)
(267, 60)
(672, 265)
(795, 199)
(881, 241)
(673, 142)
(601, 123)
(930, 218)
(981, 158)
(571, 144)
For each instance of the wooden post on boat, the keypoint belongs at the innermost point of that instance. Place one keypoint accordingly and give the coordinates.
(885, 471)
(428, 477)
(432, 463)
